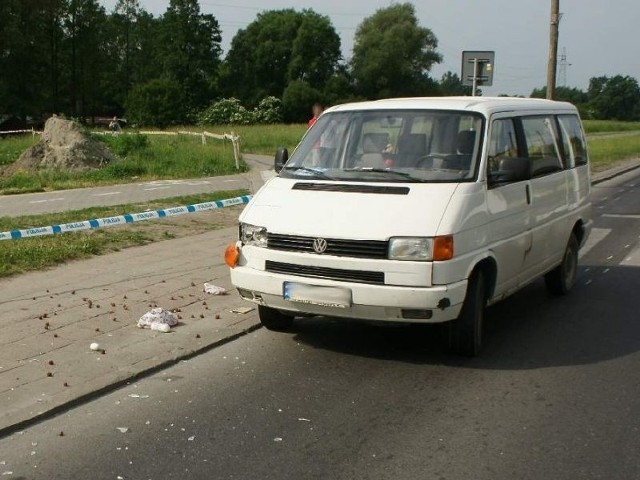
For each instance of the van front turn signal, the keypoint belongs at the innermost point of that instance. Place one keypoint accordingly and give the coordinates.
(232, 255)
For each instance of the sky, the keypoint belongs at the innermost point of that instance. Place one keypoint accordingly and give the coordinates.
(598, 37)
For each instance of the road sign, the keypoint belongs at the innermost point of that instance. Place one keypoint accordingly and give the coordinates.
(477, 68)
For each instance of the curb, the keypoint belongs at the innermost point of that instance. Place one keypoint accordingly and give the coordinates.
(112, 387)
(614, 172)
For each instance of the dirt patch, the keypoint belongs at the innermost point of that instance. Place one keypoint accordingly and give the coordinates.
(65, 145)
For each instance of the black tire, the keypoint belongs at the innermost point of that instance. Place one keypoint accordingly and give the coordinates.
(561, 279)
(274, 319)
(465, 336)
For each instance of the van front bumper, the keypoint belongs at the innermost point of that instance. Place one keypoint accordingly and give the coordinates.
(434, 304)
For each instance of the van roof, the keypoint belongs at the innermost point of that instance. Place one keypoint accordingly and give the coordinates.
(484, 105)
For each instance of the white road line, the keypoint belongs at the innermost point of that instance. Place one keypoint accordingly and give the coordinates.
(156, 188)
(105, 194)
(633, 260)
(617, 215)
(47, 200)
(596, 236)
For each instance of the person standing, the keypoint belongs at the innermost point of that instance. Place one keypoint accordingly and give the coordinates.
(317, 111)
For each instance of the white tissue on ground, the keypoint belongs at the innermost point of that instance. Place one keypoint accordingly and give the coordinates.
(214, 289)
(158, 319)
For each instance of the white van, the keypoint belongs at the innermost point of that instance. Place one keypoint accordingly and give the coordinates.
(418, 210)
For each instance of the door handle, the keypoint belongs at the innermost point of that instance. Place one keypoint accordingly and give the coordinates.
(528, 189)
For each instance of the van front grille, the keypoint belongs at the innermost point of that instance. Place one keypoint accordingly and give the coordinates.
(376, 249)
(355, 276)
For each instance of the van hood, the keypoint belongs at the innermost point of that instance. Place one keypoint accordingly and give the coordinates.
(359, 211)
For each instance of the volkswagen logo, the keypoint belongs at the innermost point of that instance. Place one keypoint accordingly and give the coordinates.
(319, 245)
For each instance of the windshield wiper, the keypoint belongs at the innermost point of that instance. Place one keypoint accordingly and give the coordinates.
(406, 175)
(318, 173)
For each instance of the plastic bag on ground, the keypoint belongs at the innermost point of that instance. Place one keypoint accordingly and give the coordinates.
(158, 319)
(214, 289)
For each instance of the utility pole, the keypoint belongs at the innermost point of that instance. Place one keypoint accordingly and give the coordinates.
(553, 49)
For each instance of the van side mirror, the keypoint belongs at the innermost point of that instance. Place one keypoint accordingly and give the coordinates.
(282, 155)
(511, 170)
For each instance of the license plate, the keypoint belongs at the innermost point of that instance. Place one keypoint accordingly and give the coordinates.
(317, 295)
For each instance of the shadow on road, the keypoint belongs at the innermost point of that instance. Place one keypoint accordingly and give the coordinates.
(598, 321)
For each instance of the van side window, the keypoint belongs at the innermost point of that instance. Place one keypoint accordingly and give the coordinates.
(502, 143)
(573, 140)
(542, 145)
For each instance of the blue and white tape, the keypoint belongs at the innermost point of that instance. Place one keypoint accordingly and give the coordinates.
(122, 219)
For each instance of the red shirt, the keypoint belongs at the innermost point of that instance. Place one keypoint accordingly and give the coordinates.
(312, 121)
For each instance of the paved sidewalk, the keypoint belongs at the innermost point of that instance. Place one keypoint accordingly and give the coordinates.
(65, 200)
(49, 319)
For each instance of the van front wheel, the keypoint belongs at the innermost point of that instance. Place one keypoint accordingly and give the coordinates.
(465, 334)
(561, 279)
(273, 319)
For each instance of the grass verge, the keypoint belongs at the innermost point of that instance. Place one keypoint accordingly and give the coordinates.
(28, 254)
(605, 152)
(141, 158)
(609, 126)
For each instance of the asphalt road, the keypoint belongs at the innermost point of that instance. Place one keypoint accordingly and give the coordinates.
(555, 394)
(129, 193)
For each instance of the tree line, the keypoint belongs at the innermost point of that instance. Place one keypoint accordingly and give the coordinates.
(75, 58)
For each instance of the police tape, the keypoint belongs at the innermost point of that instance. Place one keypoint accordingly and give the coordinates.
(123, 219)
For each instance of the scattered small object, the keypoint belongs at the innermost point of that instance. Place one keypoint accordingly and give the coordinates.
(135, 395)
(73, 292)
(49, 374)
(193, 316)
(113, 304)
(197, 335)
(214, 289)
(65, 384)
(164, 281)
(242, 310)
(173, 298)
(125, 297)
(59, 305)
(45, 315)
(94, 346)
(202, 315)
(304, 420)
(217, 317)
(193, 284)
(61, 434)
(47, 290)
(191, 438)
(97, 329)
(158, 319)
(103, 351)
(122, 429)
(146, 292)
(55, 335)
(204, 304)
(277, 439)
(98, 305)
(51, 362)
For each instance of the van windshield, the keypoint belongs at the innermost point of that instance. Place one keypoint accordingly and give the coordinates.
(390, 146)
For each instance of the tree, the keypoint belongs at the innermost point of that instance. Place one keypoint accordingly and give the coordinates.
(160, 103)
(392, 54)
(279, 47)
(297, 100)
(451, 85)
(615, 98)
(563, 94)
(190, 49)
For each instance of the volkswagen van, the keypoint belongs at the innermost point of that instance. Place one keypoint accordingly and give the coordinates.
(420, 210)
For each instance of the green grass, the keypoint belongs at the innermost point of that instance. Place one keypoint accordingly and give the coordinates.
(12, 146)
(263, 139)
(18, 256)
(604, 152)
(609, 126)
(157, 157)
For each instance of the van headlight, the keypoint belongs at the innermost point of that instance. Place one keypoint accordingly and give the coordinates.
(253, 235)
(421, 249)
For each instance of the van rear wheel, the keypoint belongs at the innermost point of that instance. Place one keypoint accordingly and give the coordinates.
(465, 334)
(274, 319)
(561, 279)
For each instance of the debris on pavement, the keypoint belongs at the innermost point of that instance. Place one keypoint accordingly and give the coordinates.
(94, 346)
(242, 310)
(214, 289)
(123, 429)
(158, 319)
